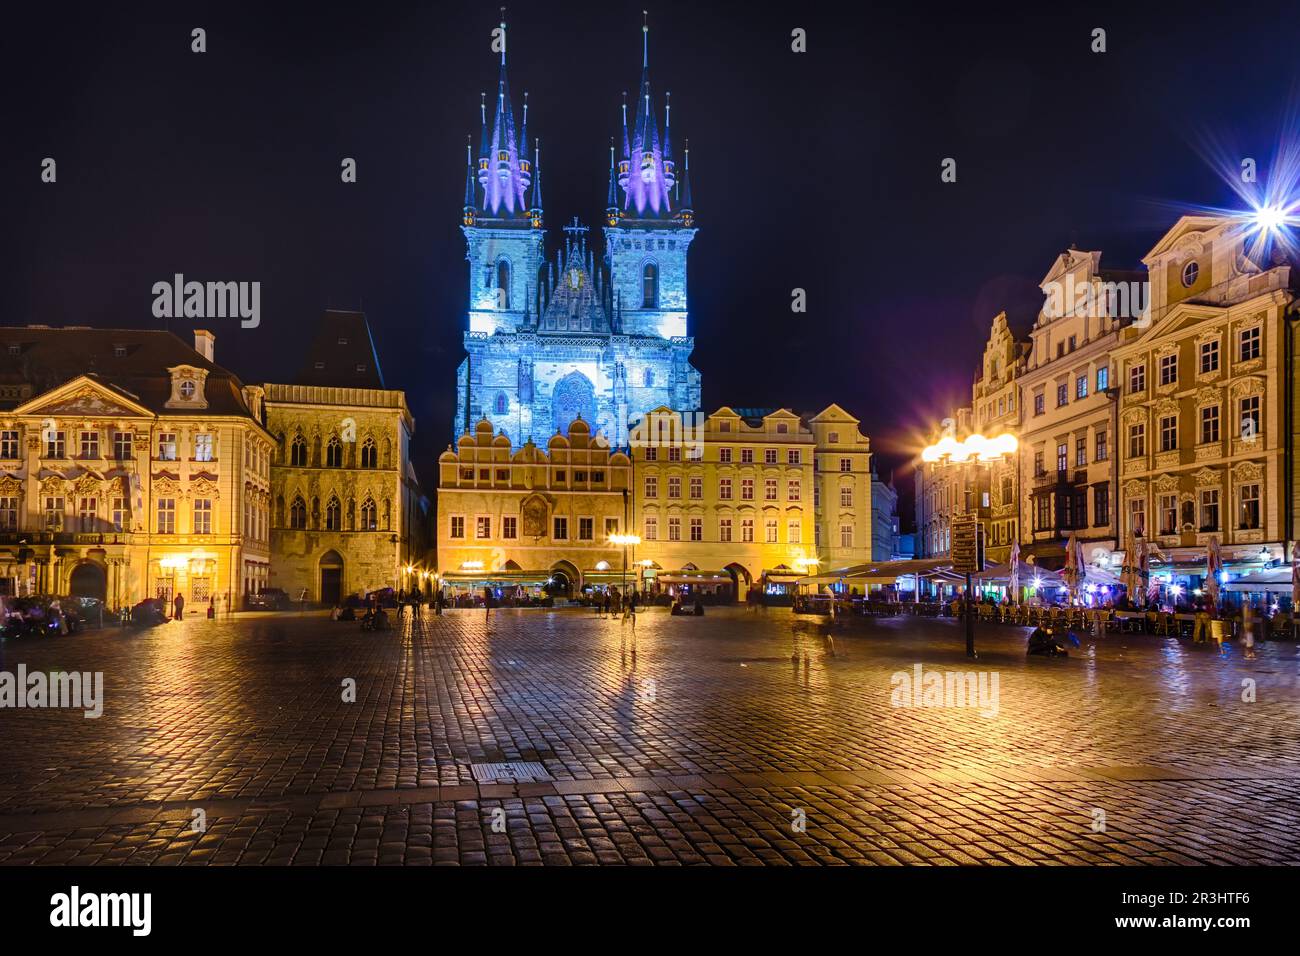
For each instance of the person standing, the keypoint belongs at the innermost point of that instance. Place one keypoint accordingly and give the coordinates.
(1248, 629)
(178, 606)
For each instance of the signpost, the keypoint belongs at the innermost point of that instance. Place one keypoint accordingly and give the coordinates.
(968, 559)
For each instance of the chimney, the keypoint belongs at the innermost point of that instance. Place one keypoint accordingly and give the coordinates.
(205, 343)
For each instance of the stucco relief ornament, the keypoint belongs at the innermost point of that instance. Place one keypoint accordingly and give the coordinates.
(10, 486)
(53, 485)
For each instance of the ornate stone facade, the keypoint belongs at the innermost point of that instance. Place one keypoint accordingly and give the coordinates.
(149, 477)
(1202, 443)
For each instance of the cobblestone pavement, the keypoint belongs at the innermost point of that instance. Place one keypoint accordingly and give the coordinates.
(677, 741)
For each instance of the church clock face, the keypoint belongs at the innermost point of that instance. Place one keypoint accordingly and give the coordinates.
(575, 280)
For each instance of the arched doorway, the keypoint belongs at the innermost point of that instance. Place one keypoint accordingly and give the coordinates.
(331, 578)
(564, 579)
(88, 579)
(740, 580)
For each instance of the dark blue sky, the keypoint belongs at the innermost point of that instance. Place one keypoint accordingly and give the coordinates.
(818, 171)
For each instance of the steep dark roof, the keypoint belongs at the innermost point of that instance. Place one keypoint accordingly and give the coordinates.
(342, 355)
(45, 358)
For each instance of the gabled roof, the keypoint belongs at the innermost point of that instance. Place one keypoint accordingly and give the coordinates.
(342, 354)
(133, 362)
(1185, 225)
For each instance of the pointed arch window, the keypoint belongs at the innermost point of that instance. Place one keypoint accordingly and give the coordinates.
(650, 383)
(333, 516)
(369, 454)
(503, 283)
(503, 404)
(650, 286)
(368, 515)
(334, 453)
(298, 514)
(298, 452)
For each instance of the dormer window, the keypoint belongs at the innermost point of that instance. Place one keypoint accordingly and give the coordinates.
(119, 351)
(187, 387)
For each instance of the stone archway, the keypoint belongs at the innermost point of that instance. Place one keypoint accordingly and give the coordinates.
(88, 579)
(740, 580)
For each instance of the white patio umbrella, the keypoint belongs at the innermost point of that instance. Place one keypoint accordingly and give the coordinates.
(1013, 585)
(1073, 566)
(1295, 578)
(1213, 565)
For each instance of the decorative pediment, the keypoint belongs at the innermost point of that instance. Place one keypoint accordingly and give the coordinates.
(1134, 488)
(1166, 406)
(166, 487)
(88, 484)
(1166, 483)
(1134, 416)
(10, 486)
(53, 485)
(82, 397)
(1206, 476)
(1212, 334)
(1209, 395)
(1248, 471)
(1250, 385)
(205, 488)
(1168, 348)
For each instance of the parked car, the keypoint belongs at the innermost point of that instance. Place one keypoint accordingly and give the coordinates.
(268, 599)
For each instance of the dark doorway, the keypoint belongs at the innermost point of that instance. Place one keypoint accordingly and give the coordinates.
(331, 578)
(89, 580)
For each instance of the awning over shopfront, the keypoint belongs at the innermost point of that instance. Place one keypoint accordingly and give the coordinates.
(1269, 580)
(883, 572)
(694, 577)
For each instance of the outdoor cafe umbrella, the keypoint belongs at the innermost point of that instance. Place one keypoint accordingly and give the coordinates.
(1213, 565)
(1014, 582)
(1073, 565)
(1128, 574)
(1295, 578)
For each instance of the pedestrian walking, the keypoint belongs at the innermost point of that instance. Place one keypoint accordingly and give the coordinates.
(1248, 629)
(487, 602)
(178, 606)
(1200, 630)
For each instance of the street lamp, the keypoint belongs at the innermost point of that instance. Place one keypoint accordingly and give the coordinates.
(624, 541)
(974, 449)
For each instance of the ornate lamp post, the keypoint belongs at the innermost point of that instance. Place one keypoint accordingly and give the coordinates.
(624, 541)
(974, 449)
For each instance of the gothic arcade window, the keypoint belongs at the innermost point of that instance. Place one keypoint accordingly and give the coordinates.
(298, 452)
(334, 453)
(369, 454)
(650, 286)
(332, 516)
(503, 283)
(298, 514)
(503, 404)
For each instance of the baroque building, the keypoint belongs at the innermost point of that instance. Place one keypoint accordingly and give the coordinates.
(722, 503)
(348, 513)
(1070, 409)
(131, 466)
(1203, 444)
(600, 335)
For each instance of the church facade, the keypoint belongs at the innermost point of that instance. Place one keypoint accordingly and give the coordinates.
(597, 335)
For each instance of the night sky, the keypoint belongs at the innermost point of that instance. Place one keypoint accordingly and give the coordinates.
(818, 171)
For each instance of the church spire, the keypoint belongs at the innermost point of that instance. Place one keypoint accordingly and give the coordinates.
(535, 211)
(471, 208)
(504, 171)
(647, 173)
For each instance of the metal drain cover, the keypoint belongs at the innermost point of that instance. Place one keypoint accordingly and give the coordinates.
(516, 771)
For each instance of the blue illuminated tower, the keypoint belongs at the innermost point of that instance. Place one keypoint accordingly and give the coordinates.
(603, 337)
